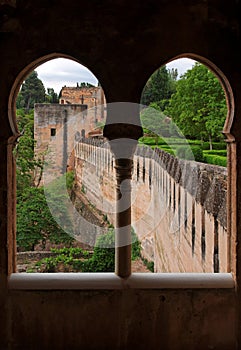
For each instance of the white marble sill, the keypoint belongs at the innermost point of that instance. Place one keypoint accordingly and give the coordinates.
(110, 281)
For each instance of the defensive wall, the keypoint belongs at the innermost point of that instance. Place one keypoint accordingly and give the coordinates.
(178, 206)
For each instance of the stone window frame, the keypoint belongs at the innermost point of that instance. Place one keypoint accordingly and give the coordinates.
(117, 280)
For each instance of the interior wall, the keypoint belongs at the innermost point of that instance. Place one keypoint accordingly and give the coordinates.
(122, 43)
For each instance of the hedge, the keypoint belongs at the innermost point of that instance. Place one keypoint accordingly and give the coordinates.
(190, 153)
(167, 149)
(150, 140)
(215, 159)
(216, 152)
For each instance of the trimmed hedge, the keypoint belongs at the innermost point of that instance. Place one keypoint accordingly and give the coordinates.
(166, 149)
(189, 149)
(216, 160)
(181, 152)
(190, 153)
(217, 152)
(150, 140)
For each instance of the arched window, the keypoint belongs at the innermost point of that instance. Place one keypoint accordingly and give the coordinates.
(96, 156)
(183, 112)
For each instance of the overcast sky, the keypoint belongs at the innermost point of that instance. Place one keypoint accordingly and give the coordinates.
(59, 72)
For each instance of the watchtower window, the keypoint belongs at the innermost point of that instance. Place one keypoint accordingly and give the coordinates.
(53, 132)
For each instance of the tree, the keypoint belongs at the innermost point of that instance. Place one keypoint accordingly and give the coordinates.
(51, 96)
(35, 223)
(27, 165)
(198, 107)
(85, 85)
(32, 91)
(155, 121)
(159, 87)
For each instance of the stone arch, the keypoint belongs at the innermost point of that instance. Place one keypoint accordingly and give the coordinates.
(19, 80)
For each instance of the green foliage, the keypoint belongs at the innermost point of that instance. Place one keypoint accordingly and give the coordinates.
(148, 264)
(150, 140)
(83, 190)
(181, 152)
(35, 223)
(72, 252)
(219, 146)
(221, 152)
(51, 96)
(190, 153)
(136, 246)
(187, 149)
(84, 85)
(199, 107)
(27, 164)
(216, 159)
(70, 178)
(167, 149)
(159, 88)
(156, 123)
(103, 259)
(195, 153)
(71, 259)
(57, 198)
(32, 91)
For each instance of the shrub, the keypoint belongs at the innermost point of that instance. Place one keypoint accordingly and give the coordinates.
(190, 153)
(152, 140)
(217, 160)
(196, 152)
(136, 246)
(148, 264)
(181, 152)
(70, 177)
(222, 152)
(170, 151)
(166, 149)
(219, 145)
(205, 146)
(77, 259)
(103, 259)
(148, 140)
(68, 258)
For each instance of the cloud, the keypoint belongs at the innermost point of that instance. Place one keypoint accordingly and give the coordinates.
(182, 65)
(59, 72)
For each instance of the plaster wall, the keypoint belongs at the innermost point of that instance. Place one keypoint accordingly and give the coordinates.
(128, 319)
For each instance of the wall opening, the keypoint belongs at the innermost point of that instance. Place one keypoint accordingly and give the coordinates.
(61, 159)
(175, 188)
(183, 112)
(52, 132)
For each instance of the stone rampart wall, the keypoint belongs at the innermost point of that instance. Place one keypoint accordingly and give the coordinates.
(178, 206)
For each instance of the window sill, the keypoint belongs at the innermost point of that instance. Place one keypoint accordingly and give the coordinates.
(90, 281)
